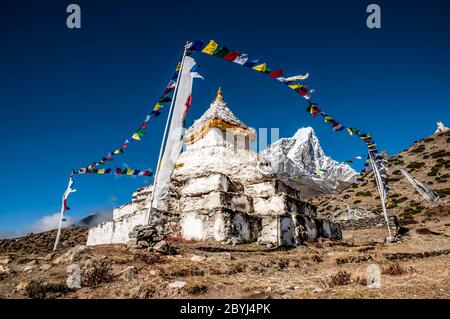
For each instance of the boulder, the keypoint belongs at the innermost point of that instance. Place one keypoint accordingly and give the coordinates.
(22, 286)
(177, 284)
(143, 233)
(5, 270)
(5, 259)
(198, 258)
(30, 265)
(164, 248)
(128, 273)
(73, 280)
(72, 255)
(45, 267)
(49, 256)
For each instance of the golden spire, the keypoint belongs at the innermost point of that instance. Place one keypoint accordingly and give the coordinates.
(219, 96)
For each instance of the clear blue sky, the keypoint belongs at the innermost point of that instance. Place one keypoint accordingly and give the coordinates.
(67, 97)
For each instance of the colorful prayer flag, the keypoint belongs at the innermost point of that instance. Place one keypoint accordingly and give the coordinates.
(261, 67)
(298, 77)
(164, 99)
(210, 48)
(221, 52)
(158, 107)
(242, 59)
(296, 86)
(276, 74)
(231, 56)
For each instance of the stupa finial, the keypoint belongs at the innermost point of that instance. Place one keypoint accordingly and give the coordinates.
(219, 96)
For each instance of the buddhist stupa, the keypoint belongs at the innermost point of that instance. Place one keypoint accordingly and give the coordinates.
(222, 191)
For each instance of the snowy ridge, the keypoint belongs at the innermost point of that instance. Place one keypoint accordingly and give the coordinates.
(302, 155)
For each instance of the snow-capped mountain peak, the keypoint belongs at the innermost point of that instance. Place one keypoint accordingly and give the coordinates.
(302, 155)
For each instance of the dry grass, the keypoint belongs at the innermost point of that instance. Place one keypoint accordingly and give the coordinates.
(149, 258)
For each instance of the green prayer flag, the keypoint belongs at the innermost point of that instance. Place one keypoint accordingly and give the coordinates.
(220, 53)
(164, 99)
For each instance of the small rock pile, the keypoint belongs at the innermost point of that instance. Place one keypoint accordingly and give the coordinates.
(147, 236)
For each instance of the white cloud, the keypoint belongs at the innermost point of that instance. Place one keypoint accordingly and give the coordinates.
(48, 222)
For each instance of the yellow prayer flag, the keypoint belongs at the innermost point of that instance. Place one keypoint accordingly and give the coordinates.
(260, 68)
(136, 137)
(101, 171)
(210, 47)
(295, 86)
(130, 172)
(116, 152)
(178, 67)
(158, 106)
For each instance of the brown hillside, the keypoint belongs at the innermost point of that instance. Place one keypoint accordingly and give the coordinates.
(427, 160)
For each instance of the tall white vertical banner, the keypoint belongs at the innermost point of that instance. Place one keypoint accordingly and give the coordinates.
(382, 192)
(174, 139)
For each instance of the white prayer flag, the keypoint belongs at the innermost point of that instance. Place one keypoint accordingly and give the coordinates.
(174, 139)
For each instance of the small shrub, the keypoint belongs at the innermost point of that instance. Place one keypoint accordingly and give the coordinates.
(396, 172)
(342, 278)
(317, 259)
(443, 192)
(441, 153)
(364, 194)
(196, 288)
(39, 290)
(361, 281)
(150, 258)
(98, 274)
(357, 202)
(394, 270)
(434, 171)
(399, 200)
(236, 269)
(418, 149)
(398, 162)
(182, 271)
(415, 165)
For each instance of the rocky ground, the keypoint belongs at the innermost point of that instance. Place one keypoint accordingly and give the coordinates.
(416, 267)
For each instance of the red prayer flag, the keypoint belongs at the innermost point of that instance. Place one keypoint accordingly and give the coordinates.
(230, 56)
(188, 102)
(276, 74)
(168, 89)
(65, 205)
